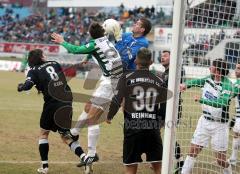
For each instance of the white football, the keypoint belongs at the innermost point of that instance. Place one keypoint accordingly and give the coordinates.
(111, 26)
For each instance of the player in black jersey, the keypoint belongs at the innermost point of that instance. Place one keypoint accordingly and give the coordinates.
(48, 78)
(142, 92)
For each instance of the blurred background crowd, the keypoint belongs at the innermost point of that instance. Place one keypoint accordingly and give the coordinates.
(23, 23)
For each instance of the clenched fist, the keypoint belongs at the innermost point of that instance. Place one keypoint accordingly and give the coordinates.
(20, 87)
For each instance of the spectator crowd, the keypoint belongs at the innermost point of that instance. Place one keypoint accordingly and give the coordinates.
(36, 27)
(67, 21)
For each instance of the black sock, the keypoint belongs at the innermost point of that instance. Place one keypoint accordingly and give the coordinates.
(180, 164)
(43, 150)
(76, 148)
(177, 151)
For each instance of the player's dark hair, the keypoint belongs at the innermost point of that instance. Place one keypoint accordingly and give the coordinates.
(221, 66)
(144, 57)
(35, 57)
(166, 51)
(96, 30)
(146, 24)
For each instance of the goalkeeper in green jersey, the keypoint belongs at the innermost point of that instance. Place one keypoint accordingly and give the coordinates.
(213, 123)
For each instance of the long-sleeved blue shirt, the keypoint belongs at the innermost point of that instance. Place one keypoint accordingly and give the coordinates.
(128, 48)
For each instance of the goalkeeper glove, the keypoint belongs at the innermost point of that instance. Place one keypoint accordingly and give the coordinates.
(118, 34)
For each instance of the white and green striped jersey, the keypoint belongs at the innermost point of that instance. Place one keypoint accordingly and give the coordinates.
(104, 53)
(237, 97)
(216, 96)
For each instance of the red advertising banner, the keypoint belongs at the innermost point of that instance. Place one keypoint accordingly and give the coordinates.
(12, 47)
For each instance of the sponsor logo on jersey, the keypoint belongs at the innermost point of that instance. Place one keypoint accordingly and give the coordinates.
(209, 95)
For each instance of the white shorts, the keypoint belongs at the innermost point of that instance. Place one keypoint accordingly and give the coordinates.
(103, 95)
(208, 130)
(236, 127)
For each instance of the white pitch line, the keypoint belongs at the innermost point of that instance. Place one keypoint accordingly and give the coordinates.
(54, 162)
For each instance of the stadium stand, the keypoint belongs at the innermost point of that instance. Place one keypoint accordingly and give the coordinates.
(21, 24)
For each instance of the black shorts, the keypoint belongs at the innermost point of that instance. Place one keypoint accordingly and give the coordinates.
(56, 116)
(148, 142)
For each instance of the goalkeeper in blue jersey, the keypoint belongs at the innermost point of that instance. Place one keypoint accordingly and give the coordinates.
(213, 124)
(129, 43)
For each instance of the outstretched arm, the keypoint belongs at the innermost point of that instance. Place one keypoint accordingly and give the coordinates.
(195, 83)
(57, 38)
(83, 49)
(191, 83)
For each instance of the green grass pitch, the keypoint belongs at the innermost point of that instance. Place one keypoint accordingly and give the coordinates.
(19, 128)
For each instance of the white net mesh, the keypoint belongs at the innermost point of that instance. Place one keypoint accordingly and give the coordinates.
(211, 32)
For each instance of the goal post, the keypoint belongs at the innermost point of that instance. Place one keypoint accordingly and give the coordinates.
(203, 31)
(173, 85)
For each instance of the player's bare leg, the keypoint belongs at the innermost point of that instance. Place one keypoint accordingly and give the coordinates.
(93, 129)
(222, 161)
(82, 119)
(43, 150)
(131, 169)
(156, 167)
(190, 159)
(90, 118)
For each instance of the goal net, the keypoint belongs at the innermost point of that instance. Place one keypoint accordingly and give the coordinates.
(211, 32)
